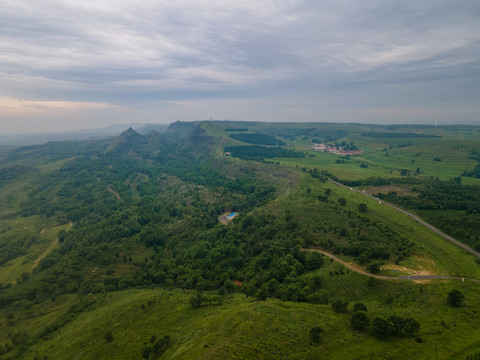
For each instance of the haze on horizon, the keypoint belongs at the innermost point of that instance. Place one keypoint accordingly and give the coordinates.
(67, 65)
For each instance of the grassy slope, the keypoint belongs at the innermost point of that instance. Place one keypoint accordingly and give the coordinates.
(243, 328)
(12, 270)
(12, 195)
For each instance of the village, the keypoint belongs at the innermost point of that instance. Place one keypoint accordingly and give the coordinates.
(339, 150)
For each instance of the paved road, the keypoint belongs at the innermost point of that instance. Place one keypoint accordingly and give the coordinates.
(386, 277)
(417, 219)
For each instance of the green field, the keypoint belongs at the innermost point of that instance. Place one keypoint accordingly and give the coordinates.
(454, 149)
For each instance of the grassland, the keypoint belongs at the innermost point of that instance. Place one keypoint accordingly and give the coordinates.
(11, 271)
(243, 328)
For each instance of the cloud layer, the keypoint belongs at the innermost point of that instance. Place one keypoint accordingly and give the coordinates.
(322, 58)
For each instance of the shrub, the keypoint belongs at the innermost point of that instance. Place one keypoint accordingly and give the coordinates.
(319, 297)
(313, 260)
(455, 298)
(359, 307)
(109, 336)
(359, 321)
(374, 268)
(315, 334)
(340, 306)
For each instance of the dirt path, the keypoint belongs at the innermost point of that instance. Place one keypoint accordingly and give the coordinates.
(221, 144)
(114, 192)
(109, 188)
(417, 219)
(386, 277)
(45, 253)
(51, 246)
(48, 228)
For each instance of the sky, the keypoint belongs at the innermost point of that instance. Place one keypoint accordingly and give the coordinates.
(69, 64)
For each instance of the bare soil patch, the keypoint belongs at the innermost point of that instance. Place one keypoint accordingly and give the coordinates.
(402, 191)
(223, 218)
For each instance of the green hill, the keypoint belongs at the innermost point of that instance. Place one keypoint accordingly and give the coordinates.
(113, 248)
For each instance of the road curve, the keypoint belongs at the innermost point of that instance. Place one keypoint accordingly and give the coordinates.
(386, 277)
(417, 219)
(114, 192)
(110, 189)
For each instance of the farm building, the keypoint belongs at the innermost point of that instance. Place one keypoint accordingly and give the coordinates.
(231, 216)
(226, 217)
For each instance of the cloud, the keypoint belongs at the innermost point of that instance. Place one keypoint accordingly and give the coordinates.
(139, 51)
(21, 107)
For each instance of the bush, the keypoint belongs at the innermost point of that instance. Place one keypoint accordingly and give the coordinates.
(318, 297)
(455, 298)
(109, 336)
(313, 260)
(395, 325)
(381, 327)
(374, 268)
(359, 321)
(340, 306)
(195, 301)
(359, 307)
(315, 334)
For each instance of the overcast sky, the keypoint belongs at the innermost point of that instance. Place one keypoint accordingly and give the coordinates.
(69, 64)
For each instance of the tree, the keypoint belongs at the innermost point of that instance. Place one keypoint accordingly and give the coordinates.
(161, 345)
(381, 327)
(340, 306)
(318, 297)
(342, 201)
(359, 320)
(359, 307)
(109, 336)
(196, 300)
(455, 298)
(374, 268)
(315, 334)
(411, 326)
(362, 208)
(145, 352)
(313, 260)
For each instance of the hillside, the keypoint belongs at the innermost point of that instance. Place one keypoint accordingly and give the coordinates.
(113, 248)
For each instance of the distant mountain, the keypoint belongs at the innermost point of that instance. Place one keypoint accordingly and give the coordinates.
(127, 140)
(85, 134)
(146, 128)
(181, 129)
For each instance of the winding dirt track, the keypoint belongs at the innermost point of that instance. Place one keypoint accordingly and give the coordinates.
(417, 219)
(386, 277)
(51, 246)
(114, 192)
(109, 188)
